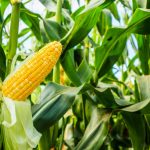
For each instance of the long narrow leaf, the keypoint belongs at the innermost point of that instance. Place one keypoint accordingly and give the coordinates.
(96, 131)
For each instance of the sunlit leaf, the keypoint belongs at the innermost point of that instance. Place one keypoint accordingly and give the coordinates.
(115, 34)
(144, 52)
(136, 107)
(4, 4)
(84, 22)
(53, 30)
(31, 20)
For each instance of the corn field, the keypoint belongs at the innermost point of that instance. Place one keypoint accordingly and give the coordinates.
(74, 75)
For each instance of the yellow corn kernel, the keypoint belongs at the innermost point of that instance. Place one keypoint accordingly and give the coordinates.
(20, 84)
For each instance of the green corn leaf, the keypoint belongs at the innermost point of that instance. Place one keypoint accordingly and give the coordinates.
(114, 55)
(102, 52)
(5, 21)
(53, 30)
(136, 128)
(56, 99)
(144, 52)
(53, 105)
(137, 106)
(139, 22)
(4, 4)
(113, 35)
(84, 71)
(24, 32)
(84, 22)
(80, 75)
(69, 66)
(143, 83)
(2, 63)
(31, 20)
(96, 131)
(49, 4)
(114, 11)
(104, 21)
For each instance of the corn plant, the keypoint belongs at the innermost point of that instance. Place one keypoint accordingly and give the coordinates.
(74, 75)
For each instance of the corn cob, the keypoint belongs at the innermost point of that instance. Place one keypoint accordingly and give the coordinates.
(29, 75)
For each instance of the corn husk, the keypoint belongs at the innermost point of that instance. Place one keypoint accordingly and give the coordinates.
(17, 126)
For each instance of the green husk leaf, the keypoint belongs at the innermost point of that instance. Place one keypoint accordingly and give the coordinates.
(17, 125)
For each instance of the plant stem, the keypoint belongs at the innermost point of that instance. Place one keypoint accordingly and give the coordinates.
(13, 35)
(56, 71)
(86, 51)
(58, 12)
(84, 110)
(62, 135)
(148, 4)
(44, 143)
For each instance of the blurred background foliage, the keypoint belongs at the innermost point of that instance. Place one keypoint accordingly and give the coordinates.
(102, 100)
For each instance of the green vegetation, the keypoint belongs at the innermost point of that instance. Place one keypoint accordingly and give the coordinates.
(97, 97)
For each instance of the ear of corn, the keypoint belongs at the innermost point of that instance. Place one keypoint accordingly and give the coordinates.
(28, 76)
